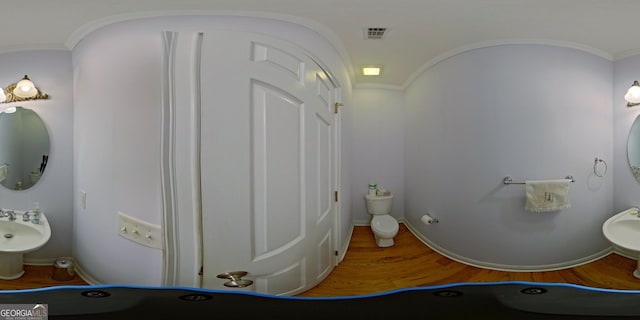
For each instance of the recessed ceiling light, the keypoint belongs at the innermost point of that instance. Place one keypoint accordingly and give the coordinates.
(371, 70)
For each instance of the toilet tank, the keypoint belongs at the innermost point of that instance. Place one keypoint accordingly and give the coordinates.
(378, 204)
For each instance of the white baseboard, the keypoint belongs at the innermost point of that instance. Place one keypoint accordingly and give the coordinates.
(361, 223)
(345, 246)
(51, 261)
(85, 276)
(504, 267)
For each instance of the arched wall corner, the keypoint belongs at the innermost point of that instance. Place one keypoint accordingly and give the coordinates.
(319, 28)
(484, 44)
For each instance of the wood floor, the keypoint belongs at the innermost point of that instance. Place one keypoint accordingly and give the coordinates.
(38, 277)
(367, 269)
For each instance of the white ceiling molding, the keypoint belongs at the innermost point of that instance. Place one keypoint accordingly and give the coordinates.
(325, 32)
(486, 44)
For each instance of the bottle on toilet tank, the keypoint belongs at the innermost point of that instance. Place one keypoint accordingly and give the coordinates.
(372, 189)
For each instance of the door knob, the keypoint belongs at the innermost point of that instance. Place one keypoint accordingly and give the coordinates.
(235, 279)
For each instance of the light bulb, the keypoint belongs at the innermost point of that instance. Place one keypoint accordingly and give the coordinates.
(633, 95)
(25, 88)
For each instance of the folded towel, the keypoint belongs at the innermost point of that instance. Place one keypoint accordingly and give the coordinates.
(3, 172)
(547, 195)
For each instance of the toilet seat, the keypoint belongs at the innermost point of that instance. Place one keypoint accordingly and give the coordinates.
(384, 226)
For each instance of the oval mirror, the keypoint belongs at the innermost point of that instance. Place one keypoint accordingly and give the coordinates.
(24, 148)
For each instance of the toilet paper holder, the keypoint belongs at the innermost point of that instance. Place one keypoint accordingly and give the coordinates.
(428, 219)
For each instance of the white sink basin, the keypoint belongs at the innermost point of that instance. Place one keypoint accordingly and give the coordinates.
(623, 230)
(22, 237)
(17, 238)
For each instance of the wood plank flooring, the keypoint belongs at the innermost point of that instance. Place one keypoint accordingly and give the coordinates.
(368, 269)
(38, 277)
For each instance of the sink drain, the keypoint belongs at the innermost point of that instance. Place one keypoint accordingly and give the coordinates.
(8, 236)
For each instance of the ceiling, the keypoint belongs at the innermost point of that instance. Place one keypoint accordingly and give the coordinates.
(419, 31)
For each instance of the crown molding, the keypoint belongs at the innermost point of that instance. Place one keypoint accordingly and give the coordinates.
(486, 44)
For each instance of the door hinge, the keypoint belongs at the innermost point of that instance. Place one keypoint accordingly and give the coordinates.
(336, 195)
(336, 106)
(336, 253)
(201, 272)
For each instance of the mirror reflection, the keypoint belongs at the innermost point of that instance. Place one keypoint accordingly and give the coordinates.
(24, 148)
(633, 148)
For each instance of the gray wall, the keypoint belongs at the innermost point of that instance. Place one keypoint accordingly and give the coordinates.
(378, 148)
(527, 111)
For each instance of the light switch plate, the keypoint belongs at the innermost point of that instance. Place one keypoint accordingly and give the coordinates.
(142, 232)
(83, 199)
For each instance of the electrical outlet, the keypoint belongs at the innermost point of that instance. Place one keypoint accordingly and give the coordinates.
(142, 232)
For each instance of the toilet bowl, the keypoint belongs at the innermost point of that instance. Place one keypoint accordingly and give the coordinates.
(383, 225)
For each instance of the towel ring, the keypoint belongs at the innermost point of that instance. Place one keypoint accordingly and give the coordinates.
(595, 167)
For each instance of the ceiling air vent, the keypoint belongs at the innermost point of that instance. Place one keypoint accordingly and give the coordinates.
(375, 33)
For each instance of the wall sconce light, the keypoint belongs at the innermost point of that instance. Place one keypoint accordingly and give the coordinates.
(25, 88)
(633, 94)
(21, 91)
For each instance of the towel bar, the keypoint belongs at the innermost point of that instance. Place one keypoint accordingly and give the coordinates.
(508, 180)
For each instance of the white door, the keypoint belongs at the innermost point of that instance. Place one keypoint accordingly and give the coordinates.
(267, 163)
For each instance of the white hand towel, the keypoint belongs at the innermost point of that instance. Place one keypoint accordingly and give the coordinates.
(547, 195)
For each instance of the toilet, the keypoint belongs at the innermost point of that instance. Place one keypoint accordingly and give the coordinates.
(383, 225)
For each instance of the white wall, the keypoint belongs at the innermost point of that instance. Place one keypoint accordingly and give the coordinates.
(526, 111)
(117, 128)
(117, 77)
(377, 148)
(626, 186)
(50, 70)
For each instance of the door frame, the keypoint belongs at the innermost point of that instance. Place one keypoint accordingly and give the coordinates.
(180, 159)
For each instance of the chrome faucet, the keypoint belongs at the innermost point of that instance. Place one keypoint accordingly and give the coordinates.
(25, 216)
(11, 215)
(2, 214)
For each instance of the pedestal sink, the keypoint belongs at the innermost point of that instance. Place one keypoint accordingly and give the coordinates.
(623, 230)
(18, 237)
